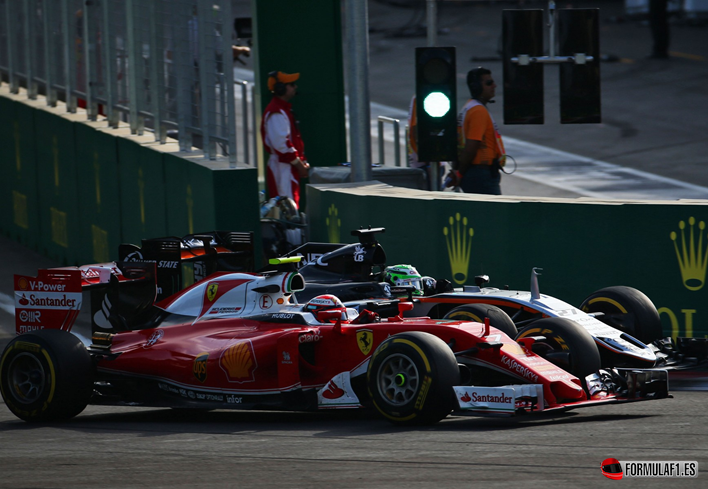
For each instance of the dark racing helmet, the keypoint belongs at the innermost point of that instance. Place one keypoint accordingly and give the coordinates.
(398, 275)
(326, 302)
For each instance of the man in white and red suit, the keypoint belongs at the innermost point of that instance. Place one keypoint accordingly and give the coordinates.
(287, 163)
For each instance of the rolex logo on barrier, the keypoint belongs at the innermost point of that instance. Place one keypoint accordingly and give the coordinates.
(333, 224)
(459, 244)
(692, 256)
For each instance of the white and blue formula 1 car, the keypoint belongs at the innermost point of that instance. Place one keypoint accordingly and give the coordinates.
(613, 326)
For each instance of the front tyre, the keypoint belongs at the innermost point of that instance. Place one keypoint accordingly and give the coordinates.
(566, 344)
(626, 309)
(477, 312)
(46, 375)
(411, 378)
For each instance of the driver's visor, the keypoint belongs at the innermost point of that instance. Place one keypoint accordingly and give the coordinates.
(612, 468)
(415, 282)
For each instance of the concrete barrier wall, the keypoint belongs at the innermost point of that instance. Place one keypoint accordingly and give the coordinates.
(658, 247)
(74, 190)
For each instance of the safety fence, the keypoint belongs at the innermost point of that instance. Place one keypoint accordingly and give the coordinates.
(164, 66)
(74, 189)
(396, 132)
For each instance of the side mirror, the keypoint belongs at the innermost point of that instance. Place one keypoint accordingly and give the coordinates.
(404, 306)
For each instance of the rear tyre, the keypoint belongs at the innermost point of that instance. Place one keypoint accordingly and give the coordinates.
(46, 375)
(411, 378)
(566, 344)
(477, 312)
(626, 309)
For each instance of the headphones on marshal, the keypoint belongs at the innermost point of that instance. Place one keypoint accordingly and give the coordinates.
(474, 81)
(279, 87)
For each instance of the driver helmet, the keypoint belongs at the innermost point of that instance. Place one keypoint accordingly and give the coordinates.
(398, 275)
(326, 302)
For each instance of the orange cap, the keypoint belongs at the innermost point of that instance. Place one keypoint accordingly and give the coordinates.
(282, 78)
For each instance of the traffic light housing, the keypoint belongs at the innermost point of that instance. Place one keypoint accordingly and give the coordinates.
(579, 32)
(522, 33)
(436, 103)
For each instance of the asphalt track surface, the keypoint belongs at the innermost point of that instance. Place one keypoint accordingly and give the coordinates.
(137, 447)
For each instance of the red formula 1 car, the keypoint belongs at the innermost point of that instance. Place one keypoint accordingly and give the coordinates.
(235, 341)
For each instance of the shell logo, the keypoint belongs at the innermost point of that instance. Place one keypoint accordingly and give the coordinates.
(239, 362)
(23, 283)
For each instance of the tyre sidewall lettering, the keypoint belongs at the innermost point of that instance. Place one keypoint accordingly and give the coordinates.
(423, 393)
(478, 312)
(549, 334)
(467, 316)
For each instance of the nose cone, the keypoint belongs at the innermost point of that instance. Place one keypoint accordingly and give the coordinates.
(568, 391)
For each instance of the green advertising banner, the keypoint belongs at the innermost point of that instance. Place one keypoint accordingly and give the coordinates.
(75, 190)
(60, 236)
(658, 247)
(236, 203)
(99, 195)
(205, 195)
(142, 190)
(7, 162)
(19, 172)
(190, 197)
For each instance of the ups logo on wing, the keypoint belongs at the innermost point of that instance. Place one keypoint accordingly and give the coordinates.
(200, 367)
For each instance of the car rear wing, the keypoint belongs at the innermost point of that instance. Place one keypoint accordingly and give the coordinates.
(127, 288)
(55, 297)
(183, 261)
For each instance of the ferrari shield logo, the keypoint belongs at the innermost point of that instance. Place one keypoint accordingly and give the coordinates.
(211, 290)
(364, 338)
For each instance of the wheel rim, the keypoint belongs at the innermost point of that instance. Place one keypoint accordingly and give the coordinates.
(27, 378)
(398, 380)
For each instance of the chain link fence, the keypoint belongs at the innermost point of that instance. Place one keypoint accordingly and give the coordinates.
(163, 66)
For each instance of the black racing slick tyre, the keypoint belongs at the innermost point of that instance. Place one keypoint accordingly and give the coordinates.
(566, 344)
(477, 312)
(626, 309)
(411, 378)
(46, 375)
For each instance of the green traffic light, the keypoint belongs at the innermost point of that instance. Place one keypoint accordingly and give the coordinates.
(436, 104)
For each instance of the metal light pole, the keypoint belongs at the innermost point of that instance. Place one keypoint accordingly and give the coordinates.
(357, 36)
(432, 21)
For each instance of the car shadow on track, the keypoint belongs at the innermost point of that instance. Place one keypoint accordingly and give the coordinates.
(159, 422)
(534, 421)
